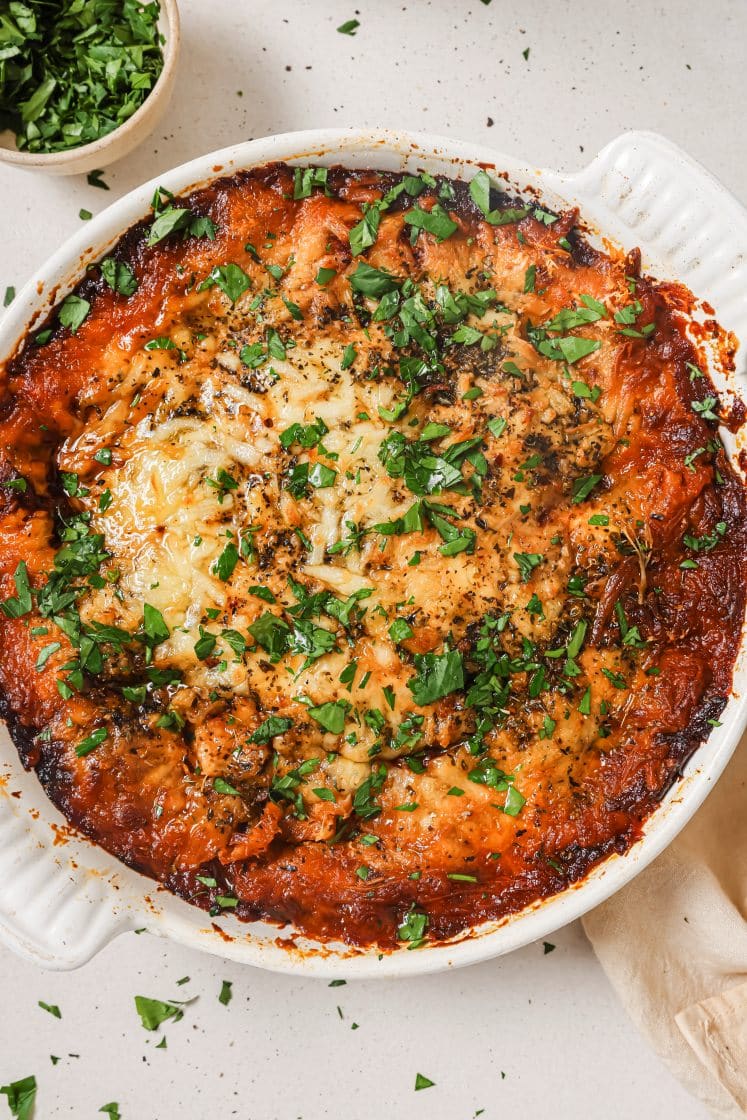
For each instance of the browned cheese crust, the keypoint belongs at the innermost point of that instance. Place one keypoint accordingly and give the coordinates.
(369, 555)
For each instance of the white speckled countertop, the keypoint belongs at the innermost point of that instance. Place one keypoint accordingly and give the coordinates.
(534, 1034)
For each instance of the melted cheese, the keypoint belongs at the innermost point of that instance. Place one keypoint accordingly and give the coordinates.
(196, 416)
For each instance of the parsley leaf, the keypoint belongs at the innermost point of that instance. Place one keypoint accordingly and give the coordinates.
(479, 190)
(582, 487)
(569, 348)
(413, 929)
(174, 219)
(231, 280)
(706, 408)
(154, 1012)
(91, 742)
(372, 281)
(19, 604)
(306, 178)
(73, 312)
(331, 715)
(226, 562)
(155, 629)
(119, 276)
(272, 726)
(272, 633)
(527, 562)
(21, 1096)
(438, 675)
(435, 221)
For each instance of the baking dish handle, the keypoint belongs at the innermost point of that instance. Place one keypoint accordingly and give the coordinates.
(71, 936)
(58, 900)
(642, 189)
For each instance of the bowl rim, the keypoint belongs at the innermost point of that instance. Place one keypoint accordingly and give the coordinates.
(169, 916)
(169, 13)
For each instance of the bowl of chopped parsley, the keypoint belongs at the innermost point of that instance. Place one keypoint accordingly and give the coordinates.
(82, 82)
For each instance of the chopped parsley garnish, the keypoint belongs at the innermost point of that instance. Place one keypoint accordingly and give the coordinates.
(74, 72)
(288, 786)
(706, 408)
(582, 390)
(497, 426)
(331, 715)
(438, 675)
(269, 728)
(221, 785)
(272, 633)
(527, 562)
(436, 221)
(21, 1096)
(231, 280)
(582, 487)
(426, 471)
(303, 477)
(19, 604)
(628, 315)
(708, 541)
(46, 653)
(365, 804)
(488, 773)
(569, 348)
(119, 276)
(479, 189)
(173, 219)
(400, 630)
(223, 483)
(371, 281)
(73, 312)
(569, 318)
(306, 179)
(154, 1012)
(91, 742)
(226, 562)
(348, 356)
(413, 928)
(154, 627)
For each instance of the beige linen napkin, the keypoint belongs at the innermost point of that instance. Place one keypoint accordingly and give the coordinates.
(674, 945)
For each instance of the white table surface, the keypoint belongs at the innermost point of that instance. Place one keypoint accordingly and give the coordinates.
(531, 1034)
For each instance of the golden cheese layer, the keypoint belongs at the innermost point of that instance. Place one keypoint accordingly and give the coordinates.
(366, 542)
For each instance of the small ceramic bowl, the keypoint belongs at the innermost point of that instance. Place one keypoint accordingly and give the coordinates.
(120, 142)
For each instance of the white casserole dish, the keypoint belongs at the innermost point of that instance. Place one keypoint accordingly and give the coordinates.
(62, 898)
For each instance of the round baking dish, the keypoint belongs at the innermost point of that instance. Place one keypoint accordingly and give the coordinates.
(61, 897)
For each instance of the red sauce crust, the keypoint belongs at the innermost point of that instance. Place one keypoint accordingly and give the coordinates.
(689, 618)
